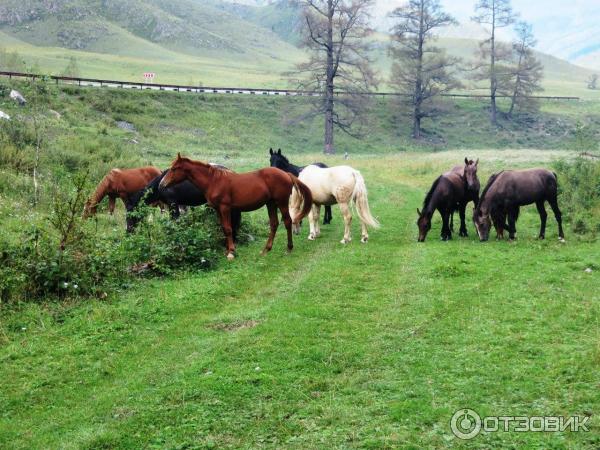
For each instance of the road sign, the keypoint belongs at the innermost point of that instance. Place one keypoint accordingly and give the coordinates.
(149, 77)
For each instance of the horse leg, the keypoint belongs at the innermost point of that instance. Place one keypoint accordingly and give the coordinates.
(446, 232)
(225, 218)
(317, 212)
(327, 216)
(543, 217)
(512, 221)
(273, 223)
(557, 216)
(313, 218)
(463, 225)
(364, 232)
(174, 211)
(112, 202)
(347, 215)
(236, 221)
(452, 221)
(287, 221)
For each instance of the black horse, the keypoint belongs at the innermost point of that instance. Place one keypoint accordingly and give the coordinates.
(450, 192)
(182, 194)
(507, 191)
(281, 162)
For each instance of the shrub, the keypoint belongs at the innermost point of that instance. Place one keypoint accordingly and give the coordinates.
(579, 187)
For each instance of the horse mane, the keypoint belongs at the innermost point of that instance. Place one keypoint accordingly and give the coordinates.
(101, 189)
(431, 191)
(489, 184)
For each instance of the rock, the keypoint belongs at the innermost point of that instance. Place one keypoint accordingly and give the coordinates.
(56, 114)
(588, 270)
(4, 116)
(125, 125)
(16, 96)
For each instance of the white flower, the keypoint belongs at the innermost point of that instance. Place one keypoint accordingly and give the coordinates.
(75, 286)
(257, 369)
(65, 285)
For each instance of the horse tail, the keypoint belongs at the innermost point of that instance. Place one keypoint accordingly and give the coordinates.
(304, 196)
(359, 195)
(92, 203)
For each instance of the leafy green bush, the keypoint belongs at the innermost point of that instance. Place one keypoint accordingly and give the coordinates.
(579, 187)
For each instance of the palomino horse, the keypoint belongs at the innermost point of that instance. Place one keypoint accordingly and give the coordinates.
(225, 191)
(341, 185)
(119, 183)
(281, 162)
(507, 191)
(449, 192)
(182, 194)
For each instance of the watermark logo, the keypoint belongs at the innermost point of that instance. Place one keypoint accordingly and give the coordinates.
(467, 423)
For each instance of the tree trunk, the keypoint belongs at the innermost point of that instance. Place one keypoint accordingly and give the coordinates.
(493, 80)
(329, 89)
(419, 81)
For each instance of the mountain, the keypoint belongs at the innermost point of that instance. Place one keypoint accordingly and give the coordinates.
(210, 42)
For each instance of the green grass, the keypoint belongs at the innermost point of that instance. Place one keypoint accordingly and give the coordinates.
(357, 346)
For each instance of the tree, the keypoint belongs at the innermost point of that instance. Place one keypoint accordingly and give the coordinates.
(527, 71)
(593, 81)
(421, 70)
(72, 69)
(494, 14)
(335, 33)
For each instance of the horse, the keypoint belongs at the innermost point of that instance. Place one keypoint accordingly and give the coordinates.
(281, 162)
(341, 185)
(507, 191)
(225, 191)
(451, 191)
(119, 183)
(469, 173)
(182, 194)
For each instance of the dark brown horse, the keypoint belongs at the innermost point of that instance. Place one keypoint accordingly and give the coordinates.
(225, 191)
(507, 191)
(450, 192)
(119, 183)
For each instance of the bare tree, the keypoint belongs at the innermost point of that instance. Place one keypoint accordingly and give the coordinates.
(527, 74)
(339, 68)
(421, 70)
(494, 14)
(593, 81)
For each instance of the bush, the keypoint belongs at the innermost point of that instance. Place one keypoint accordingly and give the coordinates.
(579, 188)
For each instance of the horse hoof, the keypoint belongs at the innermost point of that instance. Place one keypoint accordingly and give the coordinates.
(311, 237)
(364, 239)
(541, 237)
(230, 256)
(344, 241)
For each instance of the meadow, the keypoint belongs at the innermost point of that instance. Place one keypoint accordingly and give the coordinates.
(366, 346)
(331, 346)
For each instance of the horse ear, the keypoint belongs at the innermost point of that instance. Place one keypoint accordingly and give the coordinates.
(178, 155)
(466, 161)
(279, 152)
(271, 151)
(419, 212)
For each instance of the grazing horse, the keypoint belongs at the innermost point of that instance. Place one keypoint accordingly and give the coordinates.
(225, 191)
(451, 191)
(341, 185)
(119, 183)
(281, 162)
(182, 194)
(507, 191)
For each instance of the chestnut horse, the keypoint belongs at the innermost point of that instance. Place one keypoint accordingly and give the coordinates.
(225, 191)
(119, 183)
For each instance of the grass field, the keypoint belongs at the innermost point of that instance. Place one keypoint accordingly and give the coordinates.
(357, 346)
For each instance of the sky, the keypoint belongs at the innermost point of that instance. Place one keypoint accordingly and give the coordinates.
(564, 28)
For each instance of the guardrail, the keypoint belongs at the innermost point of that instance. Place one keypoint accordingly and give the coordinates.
(93, 82)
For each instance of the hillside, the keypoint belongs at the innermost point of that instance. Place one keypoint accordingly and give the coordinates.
(209, 42)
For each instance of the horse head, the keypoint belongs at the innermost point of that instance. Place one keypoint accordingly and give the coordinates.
(278, 160)
(483, 223)
(470, 175)
(424, 225)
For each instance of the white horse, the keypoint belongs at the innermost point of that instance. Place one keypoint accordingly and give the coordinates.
(341, 185)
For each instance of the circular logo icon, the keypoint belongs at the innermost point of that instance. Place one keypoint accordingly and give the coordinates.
(465, 424)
